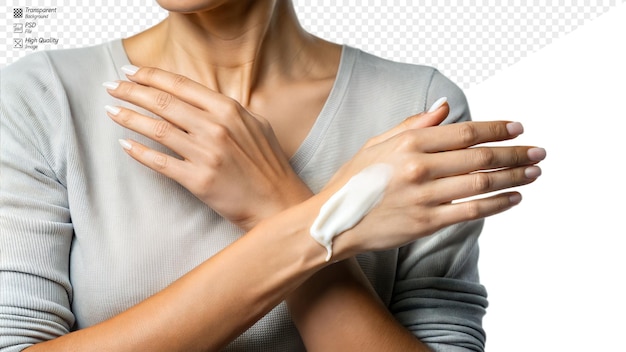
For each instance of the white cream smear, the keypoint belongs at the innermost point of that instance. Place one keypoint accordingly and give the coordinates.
(350, 204)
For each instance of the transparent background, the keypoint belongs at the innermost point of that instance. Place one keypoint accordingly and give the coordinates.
(468, 41)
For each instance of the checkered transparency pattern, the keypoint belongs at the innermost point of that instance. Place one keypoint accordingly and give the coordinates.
(467, 41)
(75, 23)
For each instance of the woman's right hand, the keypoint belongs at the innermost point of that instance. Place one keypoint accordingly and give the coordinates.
(229, 158)
(432, 168)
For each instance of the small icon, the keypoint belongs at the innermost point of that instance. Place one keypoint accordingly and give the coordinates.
(18, 12)
(18, 27)
(18, 43)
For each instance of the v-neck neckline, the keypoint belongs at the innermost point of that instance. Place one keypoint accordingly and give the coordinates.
(311, 142)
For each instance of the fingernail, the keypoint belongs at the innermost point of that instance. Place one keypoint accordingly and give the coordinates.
(114, 110)
(437, 104)
(532, 172)
(125, 144)
(111, 85)
(515, 199)
(515, 128)
(536, 154)
(130, 69)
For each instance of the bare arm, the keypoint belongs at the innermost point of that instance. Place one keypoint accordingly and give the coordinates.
(334, 286)
(337, 309)
(315, 304)
(193, 313)
(211, 305)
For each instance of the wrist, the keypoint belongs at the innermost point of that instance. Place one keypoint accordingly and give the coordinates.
(327, 228)
(291, 194)
(294, 224)
(296, 221)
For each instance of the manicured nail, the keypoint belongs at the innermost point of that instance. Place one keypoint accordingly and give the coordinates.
(113, 110)
(111, 85)
(514, 199)
(532, 172)
(515, 128)
(130, 69)
(437, 104)
(536, 154)
(125, 144)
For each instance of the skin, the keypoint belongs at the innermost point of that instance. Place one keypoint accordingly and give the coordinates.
(266, 61)
(236, 162)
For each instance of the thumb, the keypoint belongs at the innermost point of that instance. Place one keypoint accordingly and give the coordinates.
(432, 117)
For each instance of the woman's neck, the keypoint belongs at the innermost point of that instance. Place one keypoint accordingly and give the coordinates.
(231, 49)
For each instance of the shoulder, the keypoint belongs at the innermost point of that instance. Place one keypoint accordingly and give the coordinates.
(38, 91)
(30, 87)
(43, 85)
(412, 85)
(33, 70)
(375, 69)
(46, 69)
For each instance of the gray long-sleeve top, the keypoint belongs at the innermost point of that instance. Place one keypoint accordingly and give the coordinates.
(86, 232)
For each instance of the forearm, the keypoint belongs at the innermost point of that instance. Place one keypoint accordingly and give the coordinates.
(338, 310)
(214, 303)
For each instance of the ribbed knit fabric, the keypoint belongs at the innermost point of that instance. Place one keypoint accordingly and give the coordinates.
(86, 232)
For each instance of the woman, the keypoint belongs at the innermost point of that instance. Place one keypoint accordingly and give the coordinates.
(251, 125)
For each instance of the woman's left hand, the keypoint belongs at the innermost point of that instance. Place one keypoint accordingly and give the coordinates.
(230, 159)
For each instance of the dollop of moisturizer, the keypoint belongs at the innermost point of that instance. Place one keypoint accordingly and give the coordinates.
(350, 204)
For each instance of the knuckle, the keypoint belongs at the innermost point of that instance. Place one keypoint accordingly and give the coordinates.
(160, 161)
(179, 81)
(407, 141)
(517, 177)
(416, 171)
(148, 74)
(468, 133)
(497, 205)
(502, 203)
(163, 100)
(127, 89)
(485, 157)
(124, 117)
(518, 157)
(498, 129)
(219, 133)
(162, 129)
(481, 182)
(472, 210)
(230, 107)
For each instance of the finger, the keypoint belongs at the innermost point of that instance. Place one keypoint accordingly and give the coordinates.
(158, 130)
(421, 120)
(182, 87)
(453, 213)
(156, 101)
(159, 162)
(464, 161)
(449, 189)
(462, 135)
(429, 119)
